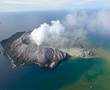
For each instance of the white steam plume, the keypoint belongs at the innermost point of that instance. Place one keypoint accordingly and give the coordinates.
(67, 33)
(46, 32)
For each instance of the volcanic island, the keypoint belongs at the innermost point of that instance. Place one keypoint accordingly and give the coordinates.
(21, 50)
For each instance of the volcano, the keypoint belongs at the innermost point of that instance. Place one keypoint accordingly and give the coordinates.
(21, 50)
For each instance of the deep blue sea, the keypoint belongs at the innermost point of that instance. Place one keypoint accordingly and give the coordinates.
(78, 74)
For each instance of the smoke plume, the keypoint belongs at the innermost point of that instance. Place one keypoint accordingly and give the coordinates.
(72, 30)
(59, 34)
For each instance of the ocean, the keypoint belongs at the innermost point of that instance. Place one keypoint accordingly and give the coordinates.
(76, 74)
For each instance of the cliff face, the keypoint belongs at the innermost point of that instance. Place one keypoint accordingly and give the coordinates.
(21, 50)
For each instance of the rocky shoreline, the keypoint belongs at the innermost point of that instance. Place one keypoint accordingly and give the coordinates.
(20, 49)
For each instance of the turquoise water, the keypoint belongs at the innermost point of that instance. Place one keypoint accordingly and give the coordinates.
(69, 72)
(67, 75)
(74, 74)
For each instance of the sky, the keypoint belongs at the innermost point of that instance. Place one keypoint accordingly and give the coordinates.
(45, 5)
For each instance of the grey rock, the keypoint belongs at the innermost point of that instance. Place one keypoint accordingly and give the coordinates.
(21, 50)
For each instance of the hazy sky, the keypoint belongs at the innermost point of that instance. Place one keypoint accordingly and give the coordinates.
(25, 5)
